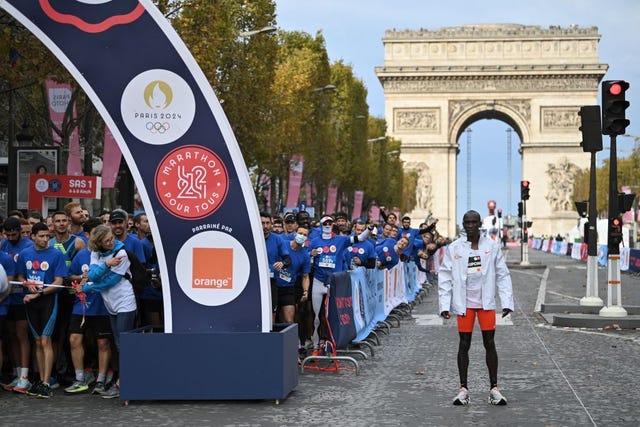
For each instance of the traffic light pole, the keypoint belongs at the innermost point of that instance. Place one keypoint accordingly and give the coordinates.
(591, 298)
(525, 235)
(614, 285)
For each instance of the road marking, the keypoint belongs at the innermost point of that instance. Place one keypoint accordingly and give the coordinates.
(436, 320)
(503, 321)
(542, 290)
(564, 296)
(428, 319)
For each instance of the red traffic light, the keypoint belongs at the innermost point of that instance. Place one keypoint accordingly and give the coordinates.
(615, 89)
(525, 184)
(616, 222)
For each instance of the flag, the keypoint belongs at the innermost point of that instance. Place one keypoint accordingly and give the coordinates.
(59, 96)
(295, 179)
(111, 158)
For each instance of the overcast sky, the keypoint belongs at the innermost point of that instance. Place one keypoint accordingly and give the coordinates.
(353, 30)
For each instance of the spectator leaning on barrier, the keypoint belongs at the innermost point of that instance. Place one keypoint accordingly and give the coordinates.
(472, 268)
(361, 253)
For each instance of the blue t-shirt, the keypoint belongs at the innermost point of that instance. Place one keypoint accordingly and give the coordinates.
(386, 253)
(133, 244)
(10, 268)
(410, 234)
(277, 250)
(17, 295)
(299, 265)
(331, 260)
(41, 266)
(363, 250)
(94, 305)
(67, 248)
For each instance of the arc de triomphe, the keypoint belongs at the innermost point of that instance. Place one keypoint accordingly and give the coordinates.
(437, 83)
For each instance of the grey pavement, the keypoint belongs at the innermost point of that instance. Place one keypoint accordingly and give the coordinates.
(552, 376)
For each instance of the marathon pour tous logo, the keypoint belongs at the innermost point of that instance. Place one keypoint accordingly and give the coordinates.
(117, 13)
(191, 182)
(158, 107)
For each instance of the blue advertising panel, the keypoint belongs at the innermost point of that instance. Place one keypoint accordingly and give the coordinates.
(180, 149)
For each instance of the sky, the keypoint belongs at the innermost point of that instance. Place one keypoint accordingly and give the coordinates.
(353, 31)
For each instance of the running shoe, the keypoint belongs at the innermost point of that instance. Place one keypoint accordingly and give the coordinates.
(12, 384)
(34, 390)
(23, 386)
(53, 383)
(112, 393)
(77, 387)
(89, 377)
(99, 388)
(45, 391)
(496, 398)
(462, 398)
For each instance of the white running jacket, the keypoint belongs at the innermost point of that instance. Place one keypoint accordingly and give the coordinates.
(452, 276)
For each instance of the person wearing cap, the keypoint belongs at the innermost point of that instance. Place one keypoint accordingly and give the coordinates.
(328, 251)
(18, 328)
(341, 220)
(287, 277)
(119, 222)
(290, 226)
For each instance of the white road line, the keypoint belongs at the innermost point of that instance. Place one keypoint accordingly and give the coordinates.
(564, 296)
(428, 319)
(542, 290)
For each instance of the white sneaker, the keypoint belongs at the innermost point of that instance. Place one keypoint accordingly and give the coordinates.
(22, 386)
(462, 398)
(496, 398)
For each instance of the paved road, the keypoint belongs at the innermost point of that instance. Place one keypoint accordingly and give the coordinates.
(551, 376)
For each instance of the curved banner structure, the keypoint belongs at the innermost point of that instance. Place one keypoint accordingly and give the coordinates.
(180, 149)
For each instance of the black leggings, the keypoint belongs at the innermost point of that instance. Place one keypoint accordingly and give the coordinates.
(491, 356)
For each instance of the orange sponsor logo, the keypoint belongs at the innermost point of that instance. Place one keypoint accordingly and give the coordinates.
(212, 268)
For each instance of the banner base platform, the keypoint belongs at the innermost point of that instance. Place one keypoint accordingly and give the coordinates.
(209, 366)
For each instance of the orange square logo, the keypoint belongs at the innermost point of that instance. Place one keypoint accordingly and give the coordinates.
(212, 268)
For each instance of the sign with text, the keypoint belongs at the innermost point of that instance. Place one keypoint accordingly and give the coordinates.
(180, 149)
(43, 186)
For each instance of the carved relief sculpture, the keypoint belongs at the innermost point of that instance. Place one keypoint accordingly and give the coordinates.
(561, 176)
(424, 196)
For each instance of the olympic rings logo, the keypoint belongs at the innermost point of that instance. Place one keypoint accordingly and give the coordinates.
(157, 127)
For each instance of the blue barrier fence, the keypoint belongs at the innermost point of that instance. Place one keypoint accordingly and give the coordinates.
(362, 298)
(629, 258)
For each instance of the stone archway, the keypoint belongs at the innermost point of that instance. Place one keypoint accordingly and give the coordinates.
(437, 83)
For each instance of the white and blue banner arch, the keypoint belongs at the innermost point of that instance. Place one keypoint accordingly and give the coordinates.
(180, 149)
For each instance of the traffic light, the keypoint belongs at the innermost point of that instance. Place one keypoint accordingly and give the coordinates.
(615, 230)
(591, 128)
(524, 190)
(625, 202)
(614, 106)
(581, 207)
(520, 210)
(499, 213)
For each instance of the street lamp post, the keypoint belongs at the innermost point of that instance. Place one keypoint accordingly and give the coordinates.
(263, 30)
